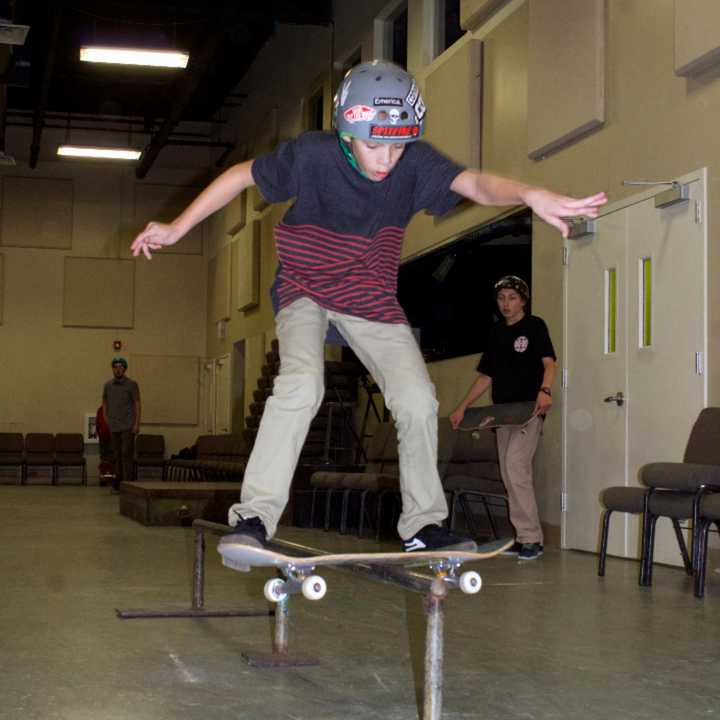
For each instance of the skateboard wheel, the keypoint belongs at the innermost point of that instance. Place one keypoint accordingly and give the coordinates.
(314, 587)
(470, 582)
(275, 590)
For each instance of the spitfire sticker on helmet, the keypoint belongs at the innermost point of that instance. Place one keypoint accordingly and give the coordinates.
(394, 131)
(412, 95)
(397, 102)
(359, 113)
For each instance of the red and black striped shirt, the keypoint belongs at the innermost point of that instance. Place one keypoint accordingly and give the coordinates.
(340, 242)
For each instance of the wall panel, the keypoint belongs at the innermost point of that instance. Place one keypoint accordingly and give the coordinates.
(247, 268)
(163, 203)
(697, 35)
(169, 388)
(473, 13)
(453, 92)
(219, 274)
(37, 212)
(99, 292)
(566, 72)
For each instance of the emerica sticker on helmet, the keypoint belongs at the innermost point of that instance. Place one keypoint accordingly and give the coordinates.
(394, 131)
(397, 102)
(359, 113)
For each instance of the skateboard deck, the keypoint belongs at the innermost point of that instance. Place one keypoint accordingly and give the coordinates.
(517, 414)
(298, 570)
(252, 556)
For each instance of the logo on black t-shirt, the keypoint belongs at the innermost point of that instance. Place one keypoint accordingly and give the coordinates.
(521, 343)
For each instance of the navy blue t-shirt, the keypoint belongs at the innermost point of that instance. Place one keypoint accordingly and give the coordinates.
(339, 244)
(513, 359)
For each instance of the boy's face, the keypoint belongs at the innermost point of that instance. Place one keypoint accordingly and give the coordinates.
(376, 159)
(511, 305)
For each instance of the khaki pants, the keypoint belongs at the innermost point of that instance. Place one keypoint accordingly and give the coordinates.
(390, 352)
(516, 448)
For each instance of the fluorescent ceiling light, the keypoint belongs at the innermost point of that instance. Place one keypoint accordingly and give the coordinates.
(131, 56)
(78, 151)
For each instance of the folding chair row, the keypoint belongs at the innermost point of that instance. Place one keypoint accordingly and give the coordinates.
(37, 450)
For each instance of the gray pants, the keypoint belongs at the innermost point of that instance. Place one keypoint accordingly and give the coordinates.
(123, 445)
(516, 448)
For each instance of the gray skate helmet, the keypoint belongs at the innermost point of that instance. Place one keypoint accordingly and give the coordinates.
(379, 101)
(513, 282)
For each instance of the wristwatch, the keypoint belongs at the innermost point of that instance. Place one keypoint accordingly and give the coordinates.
(546, 390)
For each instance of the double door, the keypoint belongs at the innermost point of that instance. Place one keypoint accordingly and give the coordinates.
(634, 357)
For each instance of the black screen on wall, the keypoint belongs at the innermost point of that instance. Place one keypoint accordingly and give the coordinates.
(447, 294)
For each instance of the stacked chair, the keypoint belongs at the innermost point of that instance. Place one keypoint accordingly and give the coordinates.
(39, 452)
(679, 491)
(470, 473)
(12, 447)
(70, 453)
(149, 453)
(361, 495)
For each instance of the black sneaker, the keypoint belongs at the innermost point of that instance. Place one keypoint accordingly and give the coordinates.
(530, 551)
(513, 550)
(435, 537)
(248, 531)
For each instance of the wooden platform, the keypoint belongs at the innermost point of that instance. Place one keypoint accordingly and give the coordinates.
(177, 503)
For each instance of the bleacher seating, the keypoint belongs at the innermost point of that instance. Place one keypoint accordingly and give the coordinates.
(217, 458)
(359, 498)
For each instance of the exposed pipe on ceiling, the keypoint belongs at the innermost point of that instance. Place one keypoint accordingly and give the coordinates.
(39, 114)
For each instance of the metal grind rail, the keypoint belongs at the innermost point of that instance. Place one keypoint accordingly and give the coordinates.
(435, 591)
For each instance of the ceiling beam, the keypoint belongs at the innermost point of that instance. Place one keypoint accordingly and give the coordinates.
(200, 65)
(45, 83)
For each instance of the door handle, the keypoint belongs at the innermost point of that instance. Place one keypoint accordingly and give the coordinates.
(618, 398)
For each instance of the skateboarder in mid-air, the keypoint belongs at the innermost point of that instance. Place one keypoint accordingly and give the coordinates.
(519, 364)
(355, 191)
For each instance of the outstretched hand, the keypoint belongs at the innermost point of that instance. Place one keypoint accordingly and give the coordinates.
(555, 209)
(155, 236)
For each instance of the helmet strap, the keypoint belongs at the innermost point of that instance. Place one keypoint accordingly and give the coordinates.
(352, 160)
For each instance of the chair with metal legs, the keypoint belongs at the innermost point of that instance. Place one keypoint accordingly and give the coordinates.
(676, 488)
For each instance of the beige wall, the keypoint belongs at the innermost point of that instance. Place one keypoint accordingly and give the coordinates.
(51, 375)
(658, 125)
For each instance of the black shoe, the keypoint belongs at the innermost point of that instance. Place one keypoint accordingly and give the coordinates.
(513, 550)
(248, 531)
(435, 537)
(530, 551)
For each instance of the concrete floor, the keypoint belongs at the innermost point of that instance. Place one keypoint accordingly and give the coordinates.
(543, 640)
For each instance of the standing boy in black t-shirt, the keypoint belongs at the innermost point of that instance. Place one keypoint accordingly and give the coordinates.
(339, 245)
(519, 364)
